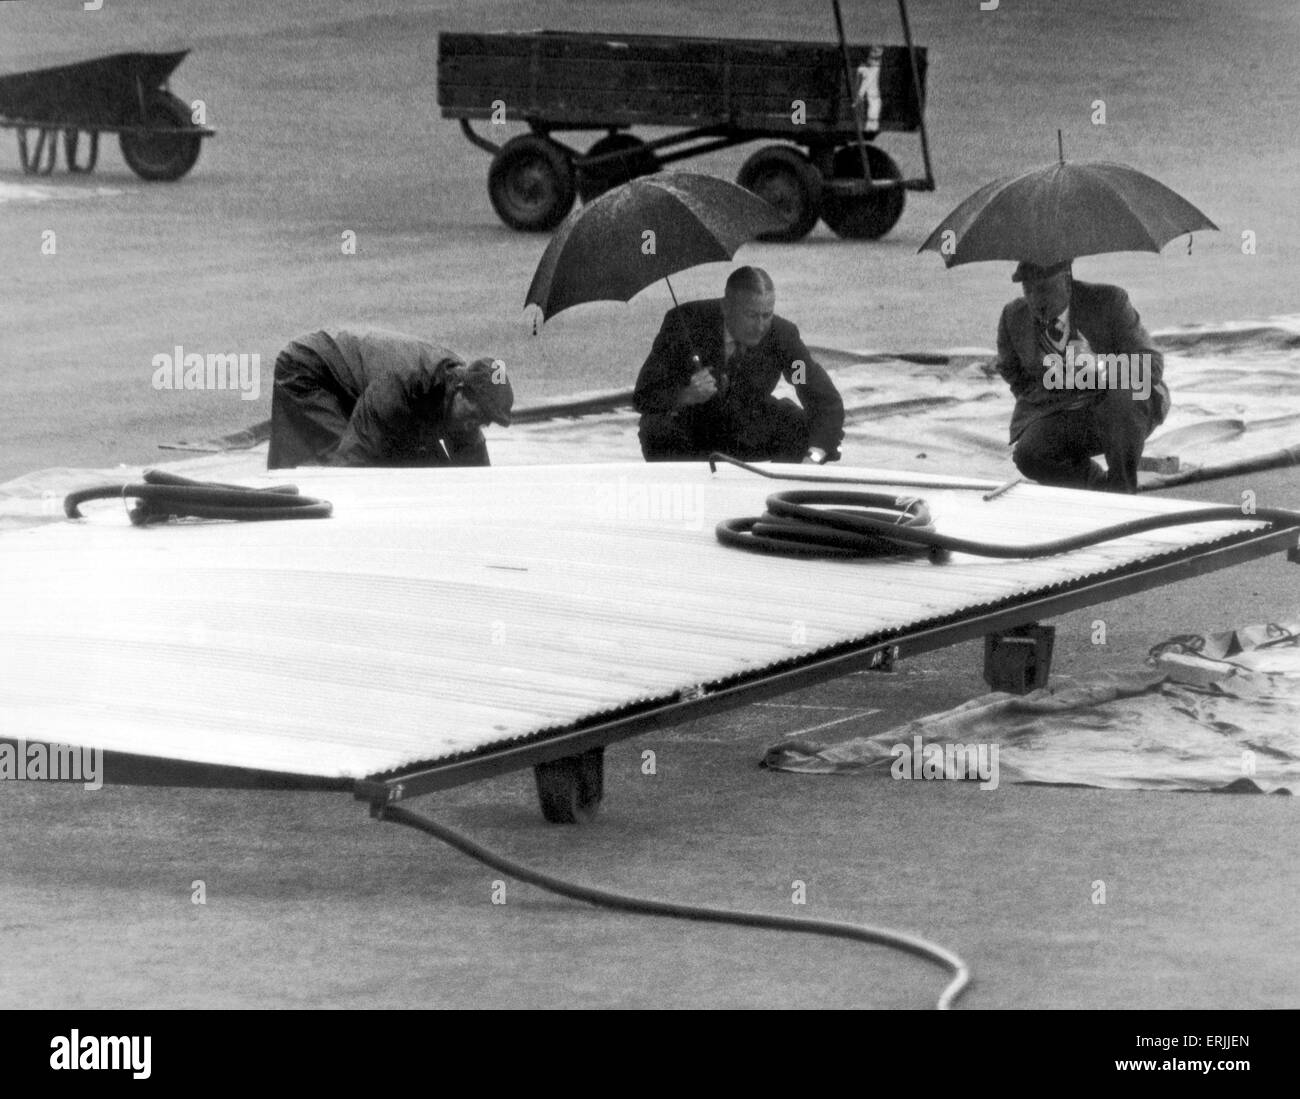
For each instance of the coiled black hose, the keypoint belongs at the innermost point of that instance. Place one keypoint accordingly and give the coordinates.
(872, 524)
(876, 520)
(166, 496)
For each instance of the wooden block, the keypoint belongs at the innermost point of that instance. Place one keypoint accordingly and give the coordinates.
(1019, 660)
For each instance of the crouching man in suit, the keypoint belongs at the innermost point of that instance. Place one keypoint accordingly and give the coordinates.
(1087, 379)
(707, 383)
(368, 397)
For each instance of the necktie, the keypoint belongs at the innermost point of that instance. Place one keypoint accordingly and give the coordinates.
(1053, 336)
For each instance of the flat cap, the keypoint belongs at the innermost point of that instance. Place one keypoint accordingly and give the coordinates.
(486, 382)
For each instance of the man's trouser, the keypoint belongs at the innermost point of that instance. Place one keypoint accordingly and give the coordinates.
(309, 413)
(1058, 449)
(776, 430)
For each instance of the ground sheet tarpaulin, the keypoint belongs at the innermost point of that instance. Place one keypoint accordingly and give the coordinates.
(1207, 712)
(1236, 395)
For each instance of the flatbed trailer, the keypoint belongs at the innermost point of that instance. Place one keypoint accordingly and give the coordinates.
(714, 93)
(428, 635)
(123, 93)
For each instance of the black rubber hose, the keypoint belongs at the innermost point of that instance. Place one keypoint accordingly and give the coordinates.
(860, 932)
(792, 525)
(162, 477)
(780, 530)
(903, 481)
(166, 496)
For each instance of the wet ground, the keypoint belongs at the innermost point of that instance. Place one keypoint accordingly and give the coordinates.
(328, 123)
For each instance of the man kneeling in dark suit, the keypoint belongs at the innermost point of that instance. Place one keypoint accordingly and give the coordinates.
(1087, 379)
(707, 383)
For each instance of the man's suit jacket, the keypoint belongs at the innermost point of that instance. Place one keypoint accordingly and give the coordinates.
(392, 390)
(698, 326)
(1105, 317)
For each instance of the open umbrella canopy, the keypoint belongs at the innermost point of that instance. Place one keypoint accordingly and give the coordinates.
(1063, 211)
(645, 230)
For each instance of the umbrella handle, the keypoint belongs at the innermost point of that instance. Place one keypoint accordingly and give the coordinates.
(696, 361)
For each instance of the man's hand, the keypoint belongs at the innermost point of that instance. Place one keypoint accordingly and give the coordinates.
(702, 387)
(815, 456)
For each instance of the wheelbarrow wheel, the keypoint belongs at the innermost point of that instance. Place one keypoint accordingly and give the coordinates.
(570, 789)
(531, 183)
(786, 179)
(154, 154)
(869, 216)
(637, 161)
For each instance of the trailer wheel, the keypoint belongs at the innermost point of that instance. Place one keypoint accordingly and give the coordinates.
(570, 789)
(531, 183)
(638, 161)
(154, 154)
(786, 179)
(869, 216)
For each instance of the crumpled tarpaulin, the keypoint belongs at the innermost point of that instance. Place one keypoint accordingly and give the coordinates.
(1209, 712)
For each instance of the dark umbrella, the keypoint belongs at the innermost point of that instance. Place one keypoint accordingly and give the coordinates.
(645, 230)
(1063, 211)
